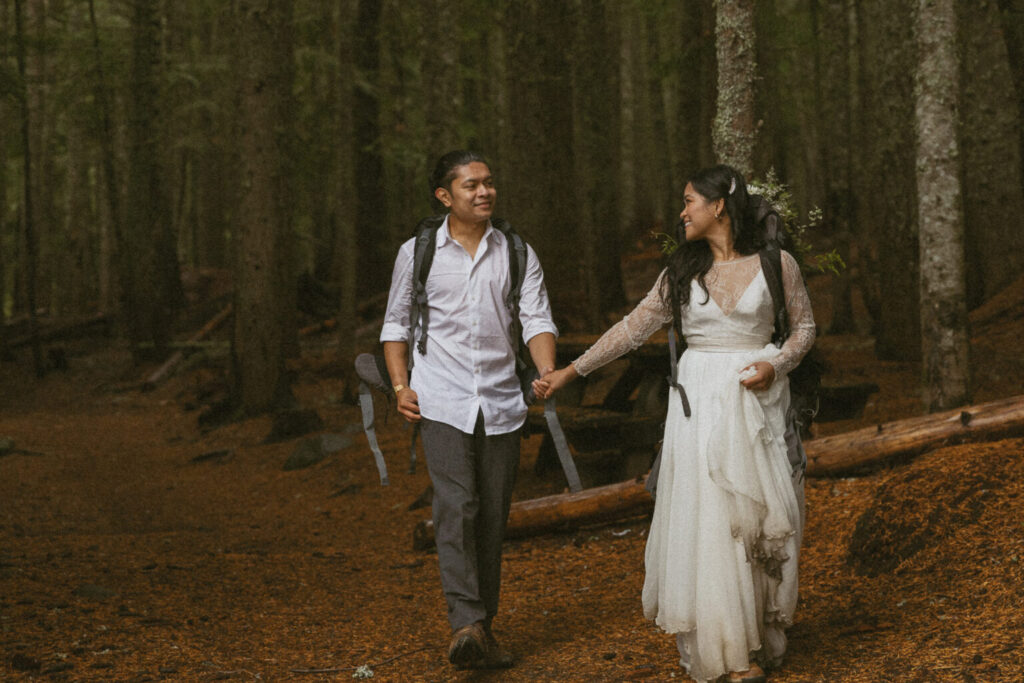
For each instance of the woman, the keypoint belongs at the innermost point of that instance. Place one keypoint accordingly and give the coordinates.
(721, 557)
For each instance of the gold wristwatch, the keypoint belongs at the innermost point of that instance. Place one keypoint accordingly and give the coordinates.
(399, 387)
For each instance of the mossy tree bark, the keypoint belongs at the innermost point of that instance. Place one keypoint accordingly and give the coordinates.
(735, 130)
(944, 336)
(264, 330)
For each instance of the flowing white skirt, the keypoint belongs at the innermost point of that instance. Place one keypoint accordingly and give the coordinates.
(721, 557)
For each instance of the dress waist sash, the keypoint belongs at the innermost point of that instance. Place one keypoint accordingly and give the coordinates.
(725, 345)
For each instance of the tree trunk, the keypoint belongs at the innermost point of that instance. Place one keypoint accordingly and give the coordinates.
(1011, 13)
(28, 217)
(991, 108)
(843, 453)
(734, 130)
(944, 335)
(44, 202)
(887, 177)
(4, 131)
(113, 238)
(74, 276)
(264, 287)
(595, 131)
(562, 512)
(828, 456)
(832, 100)
(371, 211)
(441, 81)
(541, 159)
(345, 252)
(151, 246)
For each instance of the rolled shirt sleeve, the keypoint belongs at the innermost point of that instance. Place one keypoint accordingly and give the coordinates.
(397, 326)
(534, 306)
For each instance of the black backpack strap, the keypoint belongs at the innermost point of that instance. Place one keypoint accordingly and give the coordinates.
(517, 274)
(673, 381)
(423, 258)
(771, 265)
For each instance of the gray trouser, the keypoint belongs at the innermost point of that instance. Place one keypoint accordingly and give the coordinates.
(473, 476)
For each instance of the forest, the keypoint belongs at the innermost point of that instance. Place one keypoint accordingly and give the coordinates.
(200, 206)
(148, 145)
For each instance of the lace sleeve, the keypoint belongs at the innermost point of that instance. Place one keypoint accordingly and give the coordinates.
(801, 319)
(648, 317)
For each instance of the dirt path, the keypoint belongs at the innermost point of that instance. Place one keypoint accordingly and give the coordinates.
(121, 558)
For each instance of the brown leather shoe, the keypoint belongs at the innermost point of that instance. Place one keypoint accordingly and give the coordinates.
(468, 645)
(496, 657)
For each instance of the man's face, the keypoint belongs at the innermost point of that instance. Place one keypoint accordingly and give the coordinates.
(471, 195)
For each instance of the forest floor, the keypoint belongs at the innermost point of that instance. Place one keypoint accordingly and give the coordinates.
(135, 546)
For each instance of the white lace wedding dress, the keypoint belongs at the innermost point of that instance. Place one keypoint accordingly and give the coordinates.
(721, 558)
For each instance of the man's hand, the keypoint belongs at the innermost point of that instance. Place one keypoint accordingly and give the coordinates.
(546, 386)
(762, 377)
(409, 404)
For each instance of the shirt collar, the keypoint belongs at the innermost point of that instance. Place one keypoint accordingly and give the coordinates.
(444, 235)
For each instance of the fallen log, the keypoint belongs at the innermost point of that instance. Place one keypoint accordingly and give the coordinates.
(826, 456)
(63, 330)
(165, 370)
(839, 453)
(564, 511)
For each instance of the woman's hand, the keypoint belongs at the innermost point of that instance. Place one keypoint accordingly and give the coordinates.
(547, 385)
(764, 375)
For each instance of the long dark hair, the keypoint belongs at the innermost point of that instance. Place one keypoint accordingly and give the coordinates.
(693, 260)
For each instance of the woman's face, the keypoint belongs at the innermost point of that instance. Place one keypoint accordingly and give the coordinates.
(698, 214)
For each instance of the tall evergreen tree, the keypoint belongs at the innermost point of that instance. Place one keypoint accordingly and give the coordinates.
(150, 246)
(345, 253)
(944, 336)
(371, 211)
(885, 176)
(28, 213)
(264, 330)
(595, 128)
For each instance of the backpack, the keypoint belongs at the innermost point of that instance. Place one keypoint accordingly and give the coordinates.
(372, 370)
(805, 378)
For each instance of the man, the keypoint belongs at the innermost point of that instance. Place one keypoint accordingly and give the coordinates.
(464, 392)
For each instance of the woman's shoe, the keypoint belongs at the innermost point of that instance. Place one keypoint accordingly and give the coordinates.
(754, 674)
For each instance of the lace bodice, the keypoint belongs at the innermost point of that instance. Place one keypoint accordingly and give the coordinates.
(737, 314)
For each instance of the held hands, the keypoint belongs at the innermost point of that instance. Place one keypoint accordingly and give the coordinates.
(758, 376)
(408, 404)
(546, 386)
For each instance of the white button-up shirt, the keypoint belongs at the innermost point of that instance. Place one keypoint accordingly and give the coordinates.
(469, 365)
